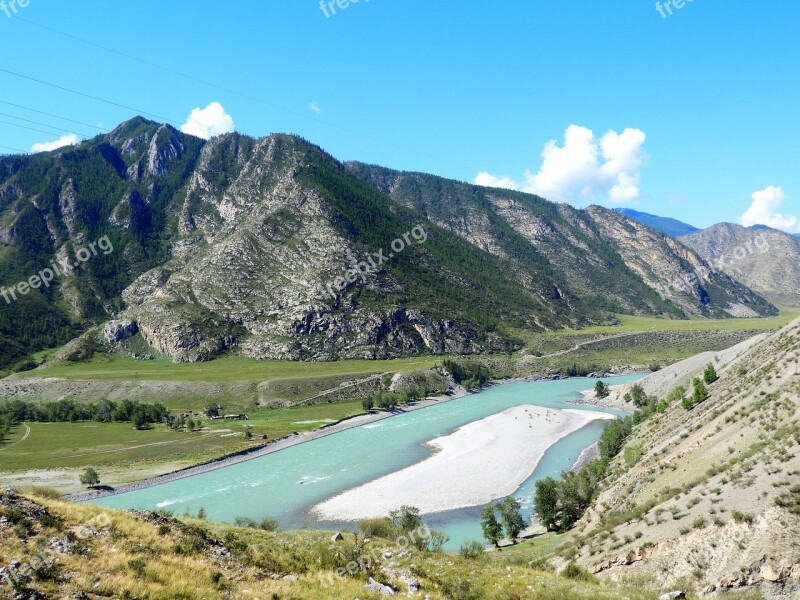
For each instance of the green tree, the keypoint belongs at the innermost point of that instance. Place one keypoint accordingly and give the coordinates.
(90, 477)
(511, 517)
(248, 432)
(710, 374)
(140, 421)
(545, 502)
(492, 529)
(637, 396)
(601, 389)
(368, 404)
(406, 518)
(700, 392)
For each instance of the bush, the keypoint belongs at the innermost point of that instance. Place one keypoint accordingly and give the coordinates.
(380, 528)
(578, 573)
(471, 550)
(710, 374)
(267, 524)
(632, 454)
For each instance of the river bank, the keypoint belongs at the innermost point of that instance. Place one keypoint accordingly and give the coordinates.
(472, 466)
(267, 449)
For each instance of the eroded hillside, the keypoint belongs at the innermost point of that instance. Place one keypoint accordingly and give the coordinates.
(711, 495)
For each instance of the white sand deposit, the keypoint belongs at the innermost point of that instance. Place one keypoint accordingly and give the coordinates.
(480, 462)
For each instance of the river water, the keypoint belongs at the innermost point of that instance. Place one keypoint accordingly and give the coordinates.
(286, 484)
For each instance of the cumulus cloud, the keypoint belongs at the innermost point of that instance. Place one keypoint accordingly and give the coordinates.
(69, 139)
(583, 167)
(208, 122)
(315, 107)
(764, 211)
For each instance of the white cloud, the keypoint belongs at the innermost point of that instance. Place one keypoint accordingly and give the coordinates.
(314, 106)
(487, 179)
(575, 170)
(764, 211)
(65, 140)
(208, 122)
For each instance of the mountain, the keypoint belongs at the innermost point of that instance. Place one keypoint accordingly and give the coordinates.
(613, 261)
(245, 245)
(764, 259)
(709, 494)
(666, 225)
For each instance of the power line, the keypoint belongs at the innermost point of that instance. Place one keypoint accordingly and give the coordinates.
(235, 92)
(30, 128)
(14, 149)
(54, 116)
(98, 99)
(45, 125)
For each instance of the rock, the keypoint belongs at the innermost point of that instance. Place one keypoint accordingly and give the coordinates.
(118, 331)
(672, 596)
(379, 588)
(290, 578)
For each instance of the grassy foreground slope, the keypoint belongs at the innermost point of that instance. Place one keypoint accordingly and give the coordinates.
(62, 550)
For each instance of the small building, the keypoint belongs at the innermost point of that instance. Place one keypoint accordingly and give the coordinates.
(237, 418)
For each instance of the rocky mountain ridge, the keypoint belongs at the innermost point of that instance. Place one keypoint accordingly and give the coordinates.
(764, 259)
(274, 249)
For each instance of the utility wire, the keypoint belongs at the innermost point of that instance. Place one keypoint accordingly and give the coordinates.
(45, 125)
(14, 149)
(54, 116)
(31, 128)
(232, 91)
(98, 99)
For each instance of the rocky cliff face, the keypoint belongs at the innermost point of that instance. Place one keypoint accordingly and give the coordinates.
(615, 261)
(766, 260)
(272, 248)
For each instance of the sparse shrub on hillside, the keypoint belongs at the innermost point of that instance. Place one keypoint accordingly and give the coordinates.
(471, 550)
(710, 374)
(699, 395)
(574, 571)
(741, 517)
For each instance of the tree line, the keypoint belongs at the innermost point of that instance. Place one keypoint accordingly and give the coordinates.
(14, 412)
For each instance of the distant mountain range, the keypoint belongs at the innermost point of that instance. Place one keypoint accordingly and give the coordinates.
(245, 245)
(764, 259)
(666, 225)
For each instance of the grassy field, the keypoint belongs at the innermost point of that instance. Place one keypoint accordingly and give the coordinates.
(632, 323)
(228, 369)
(74, 445)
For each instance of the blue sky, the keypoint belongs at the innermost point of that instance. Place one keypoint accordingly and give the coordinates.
(702, 105)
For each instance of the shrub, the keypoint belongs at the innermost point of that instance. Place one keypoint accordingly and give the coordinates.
(574, 571)
(471, 550)
(380, 528)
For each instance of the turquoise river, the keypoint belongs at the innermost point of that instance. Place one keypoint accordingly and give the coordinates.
(286, 484)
